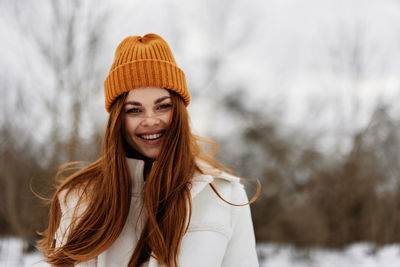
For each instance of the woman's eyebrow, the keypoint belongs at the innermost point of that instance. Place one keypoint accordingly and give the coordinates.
(161, 99)
(134, 103)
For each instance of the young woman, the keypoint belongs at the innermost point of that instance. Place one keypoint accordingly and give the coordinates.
(153, 198)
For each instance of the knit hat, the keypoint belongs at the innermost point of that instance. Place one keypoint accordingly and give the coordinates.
(144, 62)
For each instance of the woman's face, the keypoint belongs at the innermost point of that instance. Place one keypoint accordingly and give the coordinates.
(146, 116)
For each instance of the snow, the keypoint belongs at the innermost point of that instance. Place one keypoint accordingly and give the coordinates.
(11, 255)
(356, 255)
(270, 255)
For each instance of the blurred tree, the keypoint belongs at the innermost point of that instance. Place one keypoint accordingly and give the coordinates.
(61, 46)
(69, 58)
(313, 196)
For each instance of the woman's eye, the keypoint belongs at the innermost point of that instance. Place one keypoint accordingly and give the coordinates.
(133, 110)
(164, 106)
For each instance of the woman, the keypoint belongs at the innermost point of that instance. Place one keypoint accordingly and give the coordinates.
(153, 198)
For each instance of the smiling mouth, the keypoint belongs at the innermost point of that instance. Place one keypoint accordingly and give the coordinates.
(152, 136)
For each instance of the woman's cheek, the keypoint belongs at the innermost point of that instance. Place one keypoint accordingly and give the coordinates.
(130, 125)
(167, 118)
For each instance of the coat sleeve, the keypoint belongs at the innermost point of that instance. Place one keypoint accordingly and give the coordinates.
(69, 210)
(241, 249)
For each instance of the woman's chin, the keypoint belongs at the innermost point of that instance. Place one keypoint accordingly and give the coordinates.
(150, 153)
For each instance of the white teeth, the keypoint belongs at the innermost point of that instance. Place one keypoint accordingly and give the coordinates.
(151, 136)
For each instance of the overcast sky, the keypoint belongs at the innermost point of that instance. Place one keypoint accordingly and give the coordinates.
(280, 51)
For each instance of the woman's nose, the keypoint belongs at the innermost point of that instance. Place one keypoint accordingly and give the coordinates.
(150, 120)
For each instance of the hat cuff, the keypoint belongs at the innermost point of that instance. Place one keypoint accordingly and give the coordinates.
(145, 73)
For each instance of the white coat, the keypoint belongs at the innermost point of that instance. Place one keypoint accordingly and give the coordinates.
(219, 234)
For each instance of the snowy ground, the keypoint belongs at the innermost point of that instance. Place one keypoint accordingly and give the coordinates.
(271, 255)
(11, 255)
(357, 255)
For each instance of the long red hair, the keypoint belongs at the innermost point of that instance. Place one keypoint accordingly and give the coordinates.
(103, 191)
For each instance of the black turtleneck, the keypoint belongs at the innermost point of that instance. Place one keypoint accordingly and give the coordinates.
(148, 162)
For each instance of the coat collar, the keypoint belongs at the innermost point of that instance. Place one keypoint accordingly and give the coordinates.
(198, 182)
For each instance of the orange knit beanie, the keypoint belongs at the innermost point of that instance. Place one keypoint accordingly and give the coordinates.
(144, 62)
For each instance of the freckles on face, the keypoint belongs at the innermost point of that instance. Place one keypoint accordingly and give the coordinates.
(146, 117)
